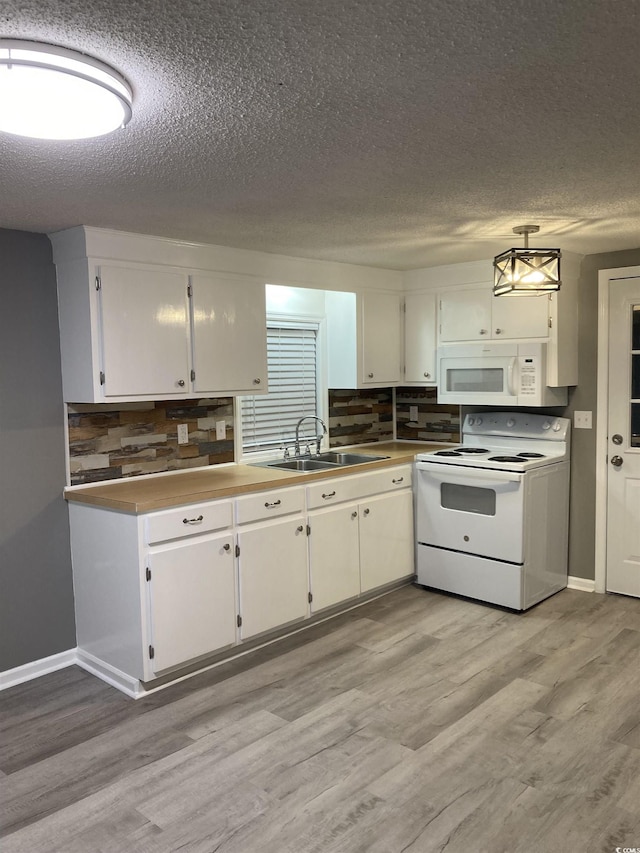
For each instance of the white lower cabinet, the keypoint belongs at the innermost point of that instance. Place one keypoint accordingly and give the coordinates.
(158, 592)
(191, 601)
(386, 539)
(334, 556)
(272, 575)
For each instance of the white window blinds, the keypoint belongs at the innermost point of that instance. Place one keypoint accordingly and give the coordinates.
(269, 420)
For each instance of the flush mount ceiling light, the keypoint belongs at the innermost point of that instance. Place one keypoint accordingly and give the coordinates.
(525, 272)
(49, 92)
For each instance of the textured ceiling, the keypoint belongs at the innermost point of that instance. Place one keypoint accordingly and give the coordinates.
(396, 133)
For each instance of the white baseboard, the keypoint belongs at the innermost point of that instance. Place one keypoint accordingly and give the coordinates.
(115, 677)
(36, 668)
(583, 584)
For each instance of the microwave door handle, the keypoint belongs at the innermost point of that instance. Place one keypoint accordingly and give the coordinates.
(511, 369)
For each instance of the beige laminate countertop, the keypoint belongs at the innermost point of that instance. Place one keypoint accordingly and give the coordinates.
(204, 484)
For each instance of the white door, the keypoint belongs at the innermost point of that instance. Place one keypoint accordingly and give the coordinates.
(333, 555)
(465, 315)
(386, 539)
(229, 334)
(623, 442)
(144, 330)
(420, 338)
(192, 600)
(520, 316)
(273, 575)
(380, 338)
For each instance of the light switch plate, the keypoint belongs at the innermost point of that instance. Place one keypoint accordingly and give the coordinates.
(221, 430)
(582, 420)
(183, 433)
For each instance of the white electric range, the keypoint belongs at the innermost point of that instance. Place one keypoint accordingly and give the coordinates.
(492, 514)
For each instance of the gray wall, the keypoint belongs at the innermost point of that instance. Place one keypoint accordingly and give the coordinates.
(36, 593)
(584, 398)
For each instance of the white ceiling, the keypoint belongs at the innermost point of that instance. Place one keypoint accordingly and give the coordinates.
(396, 133)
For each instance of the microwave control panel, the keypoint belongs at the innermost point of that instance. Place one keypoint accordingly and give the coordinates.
(528, 372)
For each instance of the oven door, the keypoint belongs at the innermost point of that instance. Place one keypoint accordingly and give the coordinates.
(473, 510)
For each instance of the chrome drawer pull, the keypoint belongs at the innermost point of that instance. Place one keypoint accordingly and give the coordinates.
(227, 547)
(399, 480)
(193, 520)
(274, 503)
(299, 529)
(328, 495)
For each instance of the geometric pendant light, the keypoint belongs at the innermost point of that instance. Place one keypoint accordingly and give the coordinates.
(525, 271)
(50, 92)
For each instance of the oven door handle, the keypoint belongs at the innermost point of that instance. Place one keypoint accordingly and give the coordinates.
(453, 474)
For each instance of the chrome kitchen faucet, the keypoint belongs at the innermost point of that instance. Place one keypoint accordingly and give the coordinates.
(296, 447)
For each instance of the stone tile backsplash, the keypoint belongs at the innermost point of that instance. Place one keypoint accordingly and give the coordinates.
(107, 442)
(434, 422)
(356, 417)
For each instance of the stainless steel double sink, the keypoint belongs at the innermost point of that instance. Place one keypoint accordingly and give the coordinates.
(322, 462)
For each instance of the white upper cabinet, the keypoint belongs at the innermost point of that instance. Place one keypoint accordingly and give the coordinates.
(144, 331)
(363, 339)
(420, 338)
(130, 330)
(229, 334)
(475, 315)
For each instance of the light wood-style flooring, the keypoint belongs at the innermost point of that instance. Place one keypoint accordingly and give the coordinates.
(416, 723)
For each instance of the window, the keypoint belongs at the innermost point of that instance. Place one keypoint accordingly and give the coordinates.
(269, 420)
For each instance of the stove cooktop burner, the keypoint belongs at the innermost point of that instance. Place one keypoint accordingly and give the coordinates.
(531, 455)
(471, 450)
(505, 459)
(447, 453)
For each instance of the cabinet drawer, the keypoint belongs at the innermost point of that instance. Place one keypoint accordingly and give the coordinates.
(269, 505)
(188, 520)
(328, 492)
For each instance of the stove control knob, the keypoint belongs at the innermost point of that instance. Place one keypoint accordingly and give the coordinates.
(471, 421)
(556, 426)
(478, 421)
(511, 422)
(546, 425)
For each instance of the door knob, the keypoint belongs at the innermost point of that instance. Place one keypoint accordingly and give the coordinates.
(616, 461)
(616, 439)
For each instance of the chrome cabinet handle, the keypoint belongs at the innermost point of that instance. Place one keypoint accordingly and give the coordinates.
(273, 503)
(256, 381)
(181, 383)
(193, 520)
(354, 515)
(398, 480)
(227, 547)
(616, 461)
(427, 376)
(367, 511)
(328, 495)
(370, 375)
(498, 331)
(483, 331)
(299, 529)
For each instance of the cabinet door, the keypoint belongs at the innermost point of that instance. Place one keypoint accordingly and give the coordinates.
(191, 600)
(334, 555)
(274, 582)
(465, 315)
(386, 539)
(144, 332)
(380, 338)
(229, 334)
(520, 316)
(420, 337)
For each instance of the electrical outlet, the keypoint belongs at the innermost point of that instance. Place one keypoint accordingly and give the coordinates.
(183, 433)
(413, 413)
(221, 430)
(582, 420)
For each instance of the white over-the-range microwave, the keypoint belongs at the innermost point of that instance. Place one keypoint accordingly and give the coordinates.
(508, 373)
